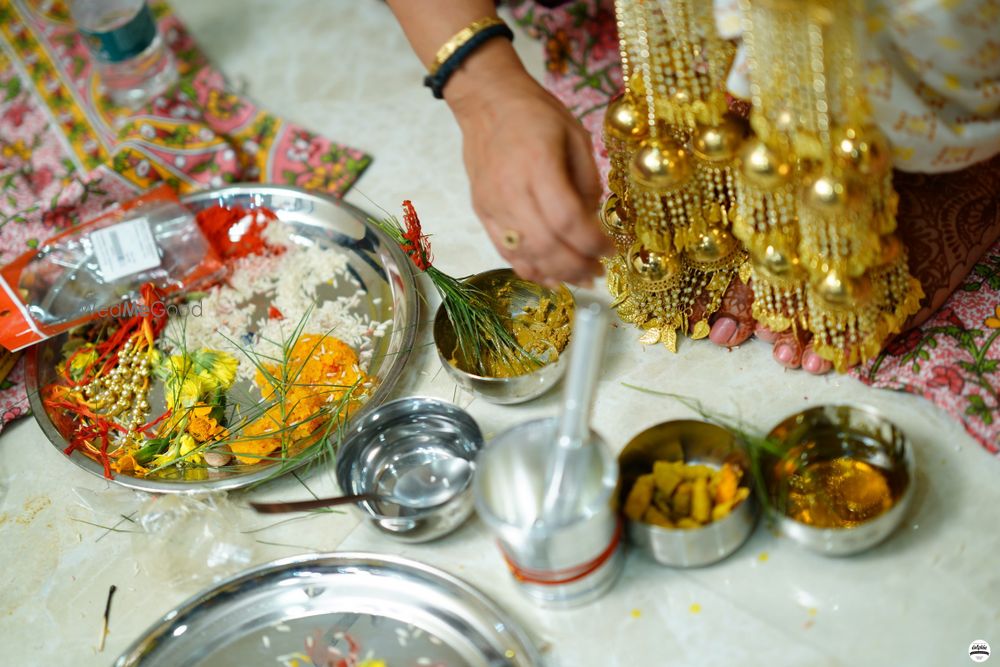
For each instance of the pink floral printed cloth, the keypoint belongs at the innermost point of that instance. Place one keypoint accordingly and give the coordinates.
(952, 360)
(66, 153)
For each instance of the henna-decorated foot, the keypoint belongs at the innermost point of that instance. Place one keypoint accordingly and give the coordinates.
(794, 350)
(788, 348)
(813, 363)
(733, 323)
(947, 221)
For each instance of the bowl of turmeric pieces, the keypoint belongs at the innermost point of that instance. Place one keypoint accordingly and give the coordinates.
(685, 492)
(540, 322)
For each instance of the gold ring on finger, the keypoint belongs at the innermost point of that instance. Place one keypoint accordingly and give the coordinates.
(511, 239)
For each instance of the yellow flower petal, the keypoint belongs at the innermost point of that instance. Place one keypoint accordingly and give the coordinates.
(168, 456)
(187, 444)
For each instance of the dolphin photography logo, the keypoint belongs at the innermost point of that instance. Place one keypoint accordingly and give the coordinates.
(979, 651)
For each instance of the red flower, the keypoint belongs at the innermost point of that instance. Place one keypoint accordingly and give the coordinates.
(15, 114)
(416, 245)
(949, 316)
(603, 35)
(947, 376)
(60, 217)
(901, 345)
(40, 179)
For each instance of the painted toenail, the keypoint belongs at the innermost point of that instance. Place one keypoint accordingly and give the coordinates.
(784, 354)
(724, 330)
(812, 363)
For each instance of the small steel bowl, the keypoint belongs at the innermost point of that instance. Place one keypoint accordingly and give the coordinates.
(699, 443)
(508, 390)
(397, 437)
(833, 431)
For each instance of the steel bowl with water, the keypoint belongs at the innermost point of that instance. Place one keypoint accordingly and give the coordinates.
(506, 390)
(693, 442)
(827, 432)
(401, 437)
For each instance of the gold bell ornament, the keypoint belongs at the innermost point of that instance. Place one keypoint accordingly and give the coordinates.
(815, 207)
(673, 151)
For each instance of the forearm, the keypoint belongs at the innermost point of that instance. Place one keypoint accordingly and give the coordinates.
(428, 24)
(531, 173)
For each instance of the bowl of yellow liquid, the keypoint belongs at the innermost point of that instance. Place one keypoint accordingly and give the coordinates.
(841, 480)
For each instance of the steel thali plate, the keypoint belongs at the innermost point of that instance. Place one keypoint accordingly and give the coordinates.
(317, 610)
(375, 263)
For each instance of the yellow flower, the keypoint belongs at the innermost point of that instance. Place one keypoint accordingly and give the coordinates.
(186, 394)
(187, 444)
(177, 364)
(81, 361)
(190, 378)
(127, 465)
(215, 369)
(325, 369)
(173, 451)
(181, 387)
(322, 176)
(201, 425)
(993, 322)
(18, 148)
(181, 446)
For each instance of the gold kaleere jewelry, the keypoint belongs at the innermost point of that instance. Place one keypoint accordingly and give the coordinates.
(816, 207)
(673, 149)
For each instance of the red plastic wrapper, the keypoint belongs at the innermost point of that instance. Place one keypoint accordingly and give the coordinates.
(96, 269)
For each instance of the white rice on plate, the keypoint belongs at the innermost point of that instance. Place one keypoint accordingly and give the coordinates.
(235, 316)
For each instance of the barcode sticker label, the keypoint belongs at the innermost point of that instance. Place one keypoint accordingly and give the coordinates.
(124, 249)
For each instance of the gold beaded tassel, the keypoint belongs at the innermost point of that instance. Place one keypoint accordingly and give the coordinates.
(647, 279)
(765, 222)
(829, 223)
(713, 140)
(766, 217)
(624, 123)
(677, 183)
(624, 128)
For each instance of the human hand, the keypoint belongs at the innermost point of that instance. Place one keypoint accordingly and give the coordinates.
(534, 183)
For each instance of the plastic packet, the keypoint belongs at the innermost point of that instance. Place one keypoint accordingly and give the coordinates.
(96, 269)
(109, 503)
(191, 538)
